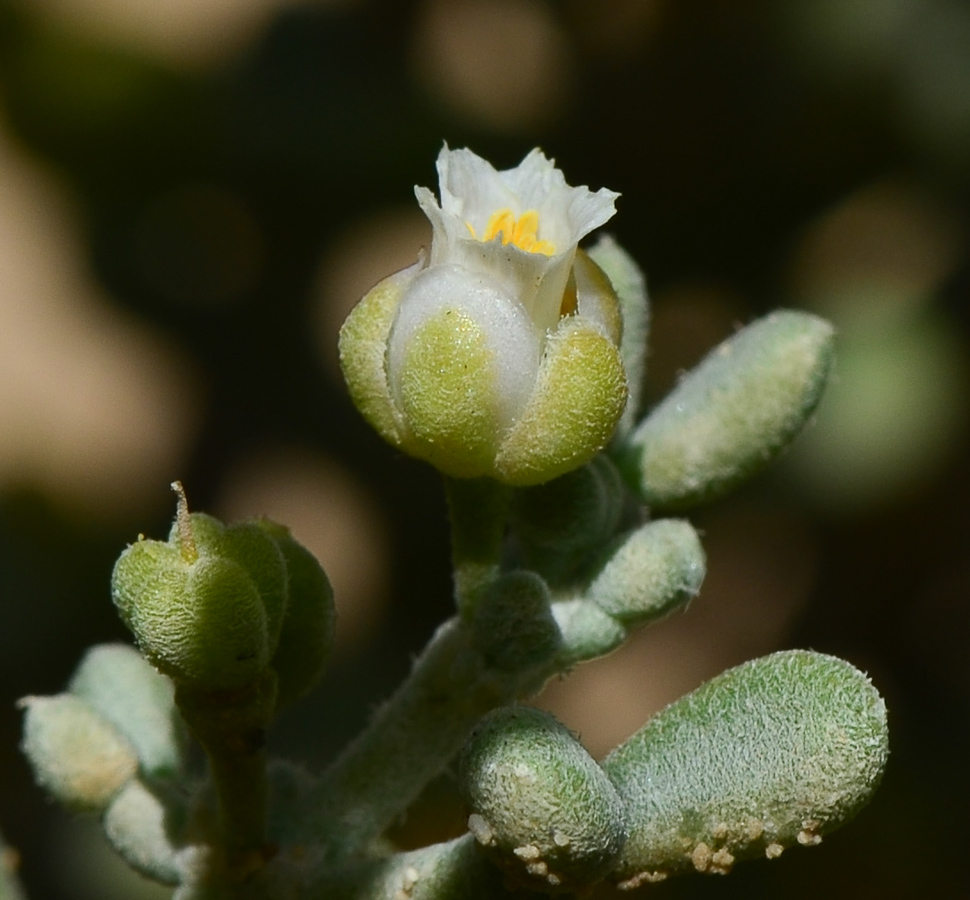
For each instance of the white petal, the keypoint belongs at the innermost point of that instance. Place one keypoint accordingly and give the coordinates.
(534, 178)
(470, 187)
(472, 191)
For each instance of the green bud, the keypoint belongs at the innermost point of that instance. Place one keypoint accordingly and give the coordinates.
(309, 626)
(733, 413)
(199, 620)
(207, 606)
(115, 681)
(76, 754)
(776, 752)
(541, 808)
(252, 548)
(512, 625)
(655, 569)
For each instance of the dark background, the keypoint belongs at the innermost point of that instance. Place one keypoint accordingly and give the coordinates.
(191, 200)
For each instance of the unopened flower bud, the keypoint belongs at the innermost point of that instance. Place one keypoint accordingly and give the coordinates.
(206, 606)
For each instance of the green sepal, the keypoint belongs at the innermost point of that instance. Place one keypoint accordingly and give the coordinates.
(309, 626)
(778, 751)
(200, 621)
(117, 682)
(251, 547)
(596, 299)
(363, 348)
(448, 395)
(732, 414)
(76, 754)
(631, 290)
(579, 396)
(541, 808)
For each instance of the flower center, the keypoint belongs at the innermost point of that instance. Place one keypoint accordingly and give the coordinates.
(522, 232)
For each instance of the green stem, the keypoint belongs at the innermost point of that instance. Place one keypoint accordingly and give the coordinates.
(231, 728)
(426, 722)
(479, 513)
(408, 742)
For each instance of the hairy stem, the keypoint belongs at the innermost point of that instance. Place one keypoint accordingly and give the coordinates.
(408, 742)
(231, 727)
(479, 512)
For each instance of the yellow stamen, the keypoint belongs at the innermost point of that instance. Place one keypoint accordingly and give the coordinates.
(502, 222)
(525, 232)
(522, 232)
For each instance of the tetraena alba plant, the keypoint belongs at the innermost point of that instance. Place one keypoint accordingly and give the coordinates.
(512, 361)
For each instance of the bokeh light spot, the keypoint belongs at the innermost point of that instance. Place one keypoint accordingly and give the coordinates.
(95, 409)
(501, 64)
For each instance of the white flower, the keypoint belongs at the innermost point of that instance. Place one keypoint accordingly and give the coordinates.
(520, 227)
(497, 355)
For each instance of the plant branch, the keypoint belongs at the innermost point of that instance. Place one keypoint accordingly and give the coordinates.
(479, 512)
(231, 728)
(409, 741)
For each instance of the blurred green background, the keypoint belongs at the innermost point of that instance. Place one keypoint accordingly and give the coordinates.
(194, 192)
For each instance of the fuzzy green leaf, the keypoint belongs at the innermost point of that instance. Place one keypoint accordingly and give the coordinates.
(655, 569)
(542, 809)
(778, 751)
(450, 871)
(646, 574)
(76, 754)
(138, 825)
(732, 414)
(116, 681)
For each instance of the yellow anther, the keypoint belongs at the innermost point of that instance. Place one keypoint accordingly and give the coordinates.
(522, 232)
(525, 232)
(502, 222)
